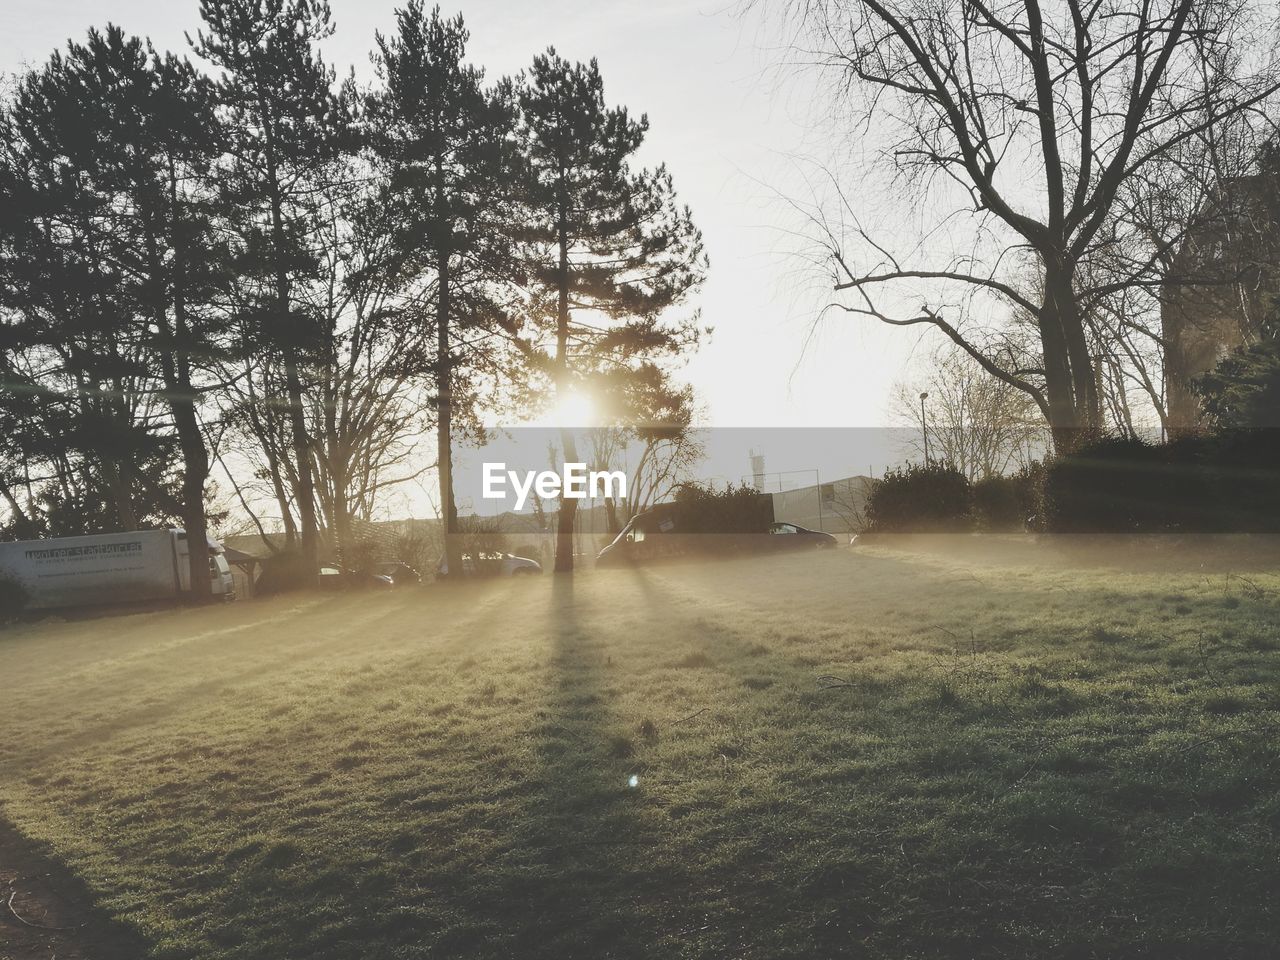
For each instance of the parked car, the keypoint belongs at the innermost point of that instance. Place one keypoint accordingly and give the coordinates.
(331, 577)
(711, 526)
(398, 572)
(489, 563)
(792, 536)
(740, 526)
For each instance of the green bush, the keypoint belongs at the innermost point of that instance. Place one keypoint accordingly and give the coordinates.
(998, 504)
(1116, 485)
(933, 498)
(734, 510)
(1225, 482)
(1246, 479)
(1222, 483)
(1243, 390)
(1033, 505)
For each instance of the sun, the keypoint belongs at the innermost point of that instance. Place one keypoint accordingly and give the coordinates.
(573, 408)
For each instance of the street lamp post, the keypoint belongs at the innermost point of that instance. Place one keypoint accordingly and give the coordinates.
(924, 426)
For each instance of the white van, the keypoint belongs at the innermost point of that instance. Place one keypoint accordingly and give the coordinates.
(108, 568)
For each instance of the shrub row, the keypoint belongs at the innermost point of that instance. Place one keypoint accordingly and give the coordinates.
(938, 498)
(1222, 483)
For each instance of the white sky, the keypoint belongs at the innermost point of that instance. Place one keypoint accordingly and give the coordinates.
(728, 127)
(735, 132)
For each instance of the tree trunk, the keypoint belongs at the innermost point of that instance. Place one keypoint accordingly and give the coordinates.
(24, 527)
(342, 530)
(611, 516)
(263, 431)
(293, 387)
(125, 517)
(301, 452)
(444, 422)
(1070, 384)
(282, 501)
(568, 511)
(302, 456)
(195, 469)
(182, 402)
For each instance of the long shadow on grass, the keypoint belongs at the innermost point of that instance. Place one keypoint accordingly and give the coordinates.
(578, 881)
(326, 865)
(745, 810)
(331, 631)
(814, 777)
(568, 879)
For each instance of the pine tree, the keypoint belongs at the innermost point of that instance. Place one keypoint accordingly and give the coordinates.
(75, 345)
(448, 142)
(1243, 391)
(608, 250)
(183, 251)
(158, 146)
(285, 126)
(137, 135)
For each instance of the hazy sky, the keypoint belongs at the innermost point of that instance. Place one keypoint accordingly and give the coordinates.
(730, 129)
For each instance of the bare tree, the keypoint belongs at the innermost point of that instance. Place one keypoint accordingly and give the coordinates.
(666, 461)
(1024, 123)
(979, 424)
(645, 407)
(366, 409)
(606, 447)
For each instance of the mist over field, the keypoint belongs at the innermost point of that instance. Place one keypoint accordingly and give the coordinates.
(954, 750)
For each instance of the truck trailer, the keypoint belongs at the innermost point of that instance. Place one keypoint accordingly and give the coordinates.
(108, 568)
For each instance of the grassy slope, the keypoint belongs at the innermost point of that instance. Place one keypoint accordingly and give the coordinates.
(1021, 759)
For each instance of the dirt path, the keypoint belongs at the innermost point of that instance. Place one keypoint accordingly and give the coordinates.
(47, 914)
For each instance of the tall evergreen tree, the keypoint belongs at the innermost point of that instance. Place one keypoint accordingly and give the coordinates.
(286, 125)
(1242, 392)
(74, 341)
(608, 250)
(157, 147)
(188, 264)
(449, 144)
(137, 134)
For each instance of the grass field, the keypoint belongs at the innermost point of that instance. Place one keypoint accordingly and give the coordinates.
(871, 753)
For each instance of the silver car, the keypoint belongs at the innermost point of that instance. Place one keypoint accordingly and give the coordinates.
(490, 563)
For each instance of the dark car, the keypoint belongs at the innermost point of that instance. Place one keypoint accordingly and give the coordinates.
(334, 577)
(399, 573)
(792, 536)
(670, 530)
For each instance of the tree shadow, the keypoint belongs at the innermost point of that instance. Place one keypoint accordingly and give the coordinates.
(577, 880)
(59, 915)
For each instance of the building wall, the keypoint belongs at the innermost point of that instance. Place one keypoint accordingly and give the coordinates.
(835, 507)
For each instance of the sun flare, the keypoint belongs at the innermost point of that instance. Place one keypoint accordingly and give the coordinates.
(573, 408)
